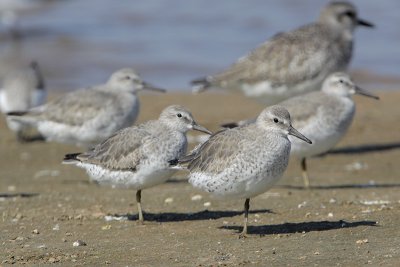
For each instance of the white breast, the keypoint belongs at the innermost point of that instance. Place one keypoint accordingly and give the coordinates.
(325, 131)
(251, 173)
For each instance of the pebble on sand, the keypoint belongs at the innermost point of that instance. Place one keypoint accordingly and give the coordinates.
(168, 200)
(79, 243)
(197, 197)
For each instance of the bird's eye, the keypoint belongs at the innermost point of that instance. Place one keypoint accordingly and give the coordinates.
(127, 77)
(350, 14)
(179, 115)
(276, 120)
(341, 81)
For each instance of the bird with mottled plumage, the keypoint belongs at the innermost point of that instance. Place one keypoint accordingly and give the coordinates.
(294, 62)
(139, 157)
(243, 162)
(23, 89)
(324, 116)
(88, 116)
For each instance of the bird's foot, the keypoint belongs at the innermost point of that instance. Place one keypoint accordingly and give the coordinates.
(243, 235)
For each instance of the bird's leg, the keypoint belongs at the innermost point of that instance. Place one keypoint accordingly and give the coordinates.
(21, 137)
(246, 218)
(304, 173)
(139, 205)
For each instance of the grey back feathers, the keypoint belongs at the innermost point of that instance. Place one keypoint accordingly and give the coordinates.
(88, 116)
(324, 116)
(153, 143)
(225, 146)
(294, 62)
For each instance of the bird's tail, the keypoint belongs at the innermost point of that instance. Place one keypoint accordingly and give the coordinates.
(175, 165)
(22, 117)
(71, 158)
(230, 125)
(17, 113)
(200, 85)
(183, 163)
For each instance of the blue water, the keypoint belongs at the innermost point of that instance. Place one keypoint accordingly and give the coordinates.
(170, 42)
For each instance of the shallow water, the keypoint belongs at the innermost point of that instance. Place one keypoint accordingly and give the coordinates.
(80, 42)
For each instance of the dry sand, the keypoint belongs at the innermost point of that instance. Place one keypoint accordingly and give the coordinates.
(349, 218)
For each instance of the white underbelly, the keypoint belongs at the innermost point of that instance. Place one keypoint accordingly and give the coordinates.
(320, 145)
(266, 93)
(75, 135)
(141, 179)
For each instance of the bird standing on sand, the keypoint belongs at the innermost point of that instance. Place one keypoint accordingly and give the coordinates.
(88, 116)
(139, 157)
(244, 162)
(294, 62)
(22, 90)
(323, 116)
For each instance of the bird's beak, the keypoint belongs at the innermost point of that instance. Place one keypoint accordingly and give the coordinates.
(294, 132)
(200, 128)
(365, 23)
(147, 86)
(359, 91)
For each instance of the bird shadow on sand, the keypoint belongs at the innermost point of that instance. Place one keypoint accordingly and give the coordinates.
(291, 228)
(23, 195)
(31, 139)
(340, 186)
(179, 217)
(78, 181)
(368, 148)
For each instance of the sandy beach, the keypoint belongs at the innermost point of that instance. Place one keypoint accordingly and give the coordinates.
(350, 217)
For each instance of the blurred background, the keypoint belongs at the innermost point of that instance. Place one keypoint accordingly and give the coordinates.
(81, 42)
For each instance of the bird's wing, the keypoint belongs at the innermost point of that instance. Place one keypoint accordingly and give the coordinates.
(222, 146)
(304, 108)
(122, 151)
(75, 108)
(284, 59)
(189, 157)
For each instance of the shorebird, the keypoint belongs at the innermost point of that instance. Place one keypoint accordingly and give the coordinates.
(22, 89)
(324, 116)
(139, 157)
(88, 116)
(294, 62)
(243, 162)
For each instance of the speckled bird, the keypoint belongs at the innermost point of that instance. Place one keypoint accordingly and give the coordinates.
(88, 116)
(294, 62)
(246, 161)
(140, 157)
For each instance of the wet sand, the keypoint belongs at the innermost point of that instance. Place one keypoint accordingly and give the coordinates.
(349, 218)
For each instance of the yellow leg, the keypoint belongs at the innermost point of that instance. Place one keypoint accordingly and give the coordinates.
(304, 173)
(139, 205)
(246, 218)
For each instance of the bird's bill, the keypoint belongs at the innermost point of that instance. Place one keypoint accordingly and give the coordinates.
(147, 86)
(200, 128)
(363, 92)
(294, 132)
(365, 23)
